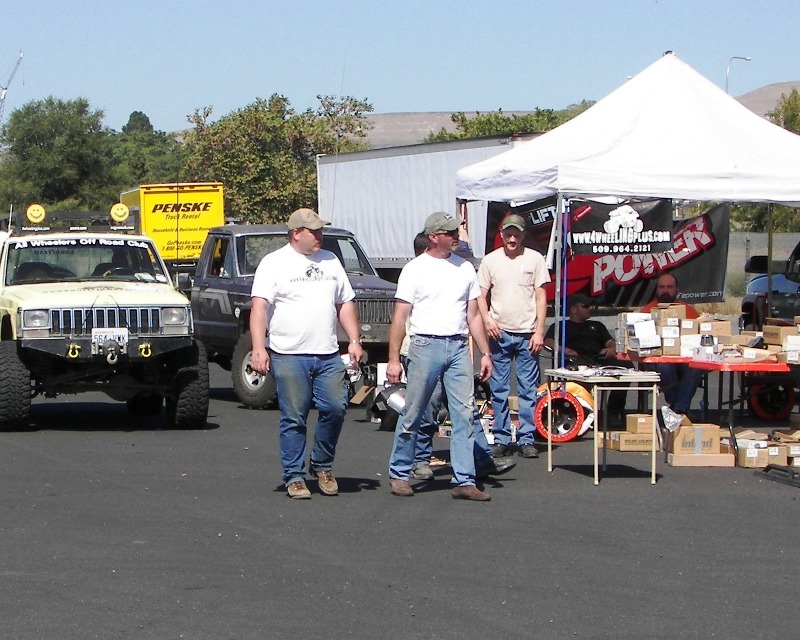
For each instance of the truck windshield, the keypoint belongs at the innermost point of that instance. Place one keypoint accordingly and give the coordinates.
(81, 258)
(251, 248)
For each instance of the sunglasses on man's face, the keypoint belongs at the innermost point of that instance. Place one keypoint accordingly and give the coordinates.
(453, 233)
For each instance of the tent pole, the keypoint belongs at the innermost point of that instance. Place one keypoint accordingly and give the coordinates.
(558, 355)
(769, 261)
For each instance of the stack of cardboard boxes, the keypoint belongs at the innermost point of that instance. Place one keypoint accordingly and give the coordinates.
(790, 440)
(785, 340)
(696, 445)
(638, 435)
(666, 331)
(755, 450)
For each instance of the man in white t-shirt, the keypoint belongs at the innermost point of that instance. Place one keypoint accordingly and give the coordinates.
(513, 305)
(438, 291)
(299, 292)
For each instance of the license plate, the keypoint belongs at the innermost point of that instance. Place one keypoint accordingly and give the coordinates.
(101, 336)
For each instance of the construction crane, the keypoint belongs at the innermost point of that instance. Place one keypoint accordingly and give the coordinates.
(4, 88)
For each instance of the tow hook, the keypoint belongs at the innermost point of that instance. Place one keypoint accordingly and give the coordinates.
(111, 349)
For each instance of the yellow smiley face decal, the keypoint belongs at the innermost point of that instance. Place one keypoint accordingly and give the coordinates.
(119, 212)
(35, 213)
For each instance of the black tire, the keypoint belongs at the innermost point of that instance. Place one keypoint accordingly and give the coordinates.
(145, 404)
(15, 389)
(253, 390)
(188, 407)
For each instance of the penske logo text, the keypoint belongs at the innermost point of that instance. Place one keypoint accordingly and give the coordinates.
(182, 207)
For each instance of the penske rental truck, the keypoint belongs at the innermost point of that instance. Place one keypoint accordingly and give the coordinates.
(177, 216)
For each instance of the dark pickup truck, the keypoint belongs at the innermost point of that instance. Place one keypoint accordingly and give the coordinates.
(221, 305)
(774, 296)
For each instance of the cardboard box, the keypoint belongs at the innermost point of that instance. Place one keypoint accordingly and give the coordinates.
(707, 460)
(639, 423)
(626, 441)
(751, 458)
(669, 331)
(715, 328)
(759, 355)
(637, 343)
(668, 314)
(787, 436)
(776, 335)
(670, 346)
(628, 318)
(792, 449)
(750, 434)
(689, 326)
(789, 357)
(697, 439)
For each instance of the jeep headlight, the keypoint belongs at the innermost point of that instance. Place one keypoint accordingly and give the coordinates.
(35, 319)
(175, 320)
(35, 323)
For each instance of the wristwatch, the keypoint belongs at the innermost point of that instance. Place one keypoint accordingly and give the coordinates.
(487, 354)
(355, 342)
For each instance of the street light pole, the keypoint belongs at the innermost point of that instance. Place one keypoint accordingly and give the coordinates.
(728, 69)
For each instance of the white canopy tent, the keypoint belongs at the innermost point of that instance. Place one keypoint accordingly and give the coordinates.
(668, 133)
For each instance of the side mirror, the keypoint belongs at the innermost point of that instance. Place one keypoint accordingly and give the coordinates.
(760, 264)
(183, 281)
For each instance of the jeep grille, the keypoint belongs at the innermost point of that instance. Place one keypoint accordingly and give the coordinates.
(375, 311)
(78, 322)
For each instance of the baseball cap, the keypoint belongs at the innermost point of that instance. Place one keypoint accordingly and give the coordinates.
(513, 221)
(306, 219)
(578, 299)
(440, 221)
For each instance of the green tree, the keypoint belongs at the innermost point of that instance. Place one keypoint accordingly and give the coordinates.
(138, 121)
(496, 123)
(143, 155)
(754, 217)
(58, 153)
(265, 154)
(787, 112)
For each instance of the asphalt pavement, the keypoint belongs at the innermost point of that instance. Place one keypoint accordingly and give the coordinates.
(115, 527)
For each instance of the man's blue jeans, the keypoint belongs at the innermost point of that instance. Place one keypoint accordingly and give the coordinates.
(301, 379)
(513, 347)
(679, 383)
(431, 360)
(428, 427)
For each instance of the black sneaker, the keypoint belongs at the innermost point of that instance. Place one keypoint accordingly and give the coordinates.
(494, 467)
(528, 451)
(502, 450)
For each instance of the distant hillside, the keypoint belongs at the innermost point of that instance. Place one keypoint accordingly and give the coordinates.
(765, 99)
(399, 129)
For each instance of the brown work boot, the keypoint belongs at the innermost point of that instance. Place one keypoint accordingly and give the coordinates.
(298, 490)
(327, 483)
(401, 487)
(470, 492)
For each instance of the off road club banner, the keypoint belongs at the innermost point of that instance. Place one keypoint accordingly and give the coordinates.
(696, 255)
(641, 227)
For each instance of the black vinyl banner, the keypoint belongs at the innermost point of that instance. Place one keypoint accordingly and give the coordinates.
(638, 227)
(697, 256)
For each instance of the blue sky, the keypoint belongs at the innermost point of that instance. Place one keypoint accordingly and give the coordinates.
(168, 58)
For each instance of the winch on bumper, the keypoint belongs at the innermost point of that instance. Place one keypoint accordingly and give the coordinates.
(110, 333)
(111, 349)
